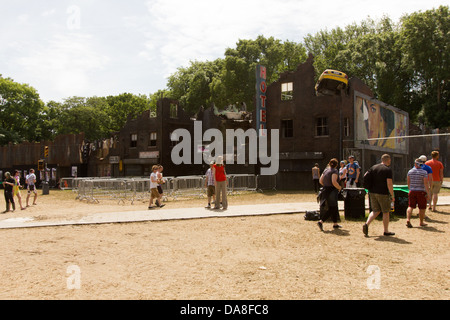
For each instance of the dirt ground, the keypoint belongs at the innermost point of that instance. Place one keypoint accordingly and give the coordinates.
(266, 257)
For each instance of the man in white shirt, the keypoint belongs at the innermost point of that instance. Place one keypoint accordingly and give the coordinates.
(31, 186)
(154, 194)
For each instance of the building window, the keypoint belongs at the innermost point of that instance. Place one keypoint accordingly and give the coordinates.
(287, 91)
(173, 111)
(133, 138)
(322, 127)
(287, 128)
(152, 142)
(346, 127)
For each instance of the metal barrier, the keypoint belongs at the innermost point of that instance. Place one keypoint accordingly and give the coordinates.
(242, 182)
(138, 189)
(67, 183)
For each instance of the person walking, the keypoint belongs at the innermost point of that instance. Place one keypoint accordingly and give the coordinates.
(438, 178)
(427, 168)
(419, 191)
(30, 180)
(161, 181)
(210, 184)
(329, 195)
(343, 174)
(353, 172)
(8, 185)
(381, 194)
(16, 189)
(154, 194)
(220, 177)
(315, 177)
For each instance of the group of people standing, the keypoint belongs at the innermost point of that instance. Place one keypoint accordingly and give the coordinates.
(348, 174)
(333, 181)
(12, 187)
(216, 184)
(424, 183)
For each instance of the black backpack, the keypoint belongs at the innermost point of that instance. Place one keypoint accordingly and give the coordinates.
(312, 215)
(368, 179)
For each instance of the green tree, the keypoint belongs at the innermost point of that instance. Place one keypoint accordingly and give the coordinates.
(119, 108)
(236, 82)
(50, 120)
(78, 114)
(426, 38)
(192, 85)
(20, 107)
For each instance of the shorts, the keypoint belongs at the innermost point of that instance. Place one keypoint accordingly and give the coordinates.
(154, 193)
(436, 187)
(211, 191)
(31, 188)
(160, 189)
(380, 202)
(417, 198)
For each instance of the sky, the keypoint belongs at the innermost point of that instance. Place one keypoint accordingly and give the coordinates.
(99, 48)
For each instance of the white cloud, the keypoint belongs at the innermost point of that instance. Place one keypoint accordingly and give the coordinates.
(134, 46)
(67, 62)
(49, 13)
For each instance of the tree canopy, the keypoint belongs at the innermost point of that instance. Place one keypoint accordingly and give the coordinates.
(406, 64)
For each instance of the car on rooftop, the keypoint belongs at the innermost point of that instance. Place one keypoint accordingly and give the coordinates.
(331, 82)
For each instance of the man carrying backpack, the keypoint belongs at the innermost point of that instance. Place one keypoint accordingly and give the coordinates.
(353, 171)
(381, 192)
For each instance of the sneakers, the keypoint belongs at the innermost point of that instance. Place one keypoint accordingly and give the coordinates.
(157, 206)
(320, 224)
(366, 229)
(389, 234)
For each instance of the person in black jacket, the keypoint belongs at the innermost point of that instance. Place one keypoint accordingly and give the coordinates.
(8, 185)
(329, 195)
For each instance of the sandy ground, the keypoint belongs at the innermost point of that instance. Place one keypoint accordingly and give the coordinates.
(267, 257)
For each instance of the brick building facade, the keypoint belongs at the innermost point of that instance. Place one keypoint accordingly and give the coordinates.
(312, 129)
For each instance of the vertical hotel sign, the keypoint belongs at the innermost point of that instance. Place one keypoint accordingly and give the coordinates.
(261, 88)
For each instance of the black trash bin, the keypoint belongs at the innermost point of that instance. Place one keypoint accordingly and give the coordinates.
(401, 203)
(354, 203)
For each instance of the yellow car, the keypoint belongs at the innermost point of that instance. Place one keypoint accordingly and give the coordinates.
(331, 82)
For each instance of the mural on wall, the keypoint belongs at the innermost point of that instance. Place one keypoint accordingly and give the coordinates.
(374, 120)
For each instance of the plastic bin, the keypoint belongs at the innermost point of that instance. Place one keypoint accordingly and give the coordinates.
(401, 201)
(354, 203)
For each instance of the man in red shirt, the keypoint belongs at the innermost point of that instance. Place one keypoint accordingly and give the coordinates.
(438, 177)
(221, 184)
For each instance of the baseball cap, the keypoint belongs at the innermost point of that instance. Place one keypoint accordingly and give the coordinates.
(423, 158)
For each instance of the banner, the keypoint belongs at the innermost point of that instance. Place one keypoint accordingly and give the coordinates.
(379, 126)
(261, 88)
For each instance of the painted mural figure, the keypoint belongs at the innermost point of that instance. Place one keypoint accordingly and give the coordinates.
(379, 123)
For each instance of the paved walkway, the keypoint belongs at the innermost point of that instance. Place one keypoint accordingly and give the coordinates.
(178, 214)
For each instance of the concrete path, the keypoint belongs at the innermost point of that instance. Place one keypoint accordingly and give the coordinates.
(178, 214)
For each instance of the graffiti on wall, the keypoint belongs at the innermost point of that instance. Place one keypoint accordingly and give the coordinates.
(380, 126)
